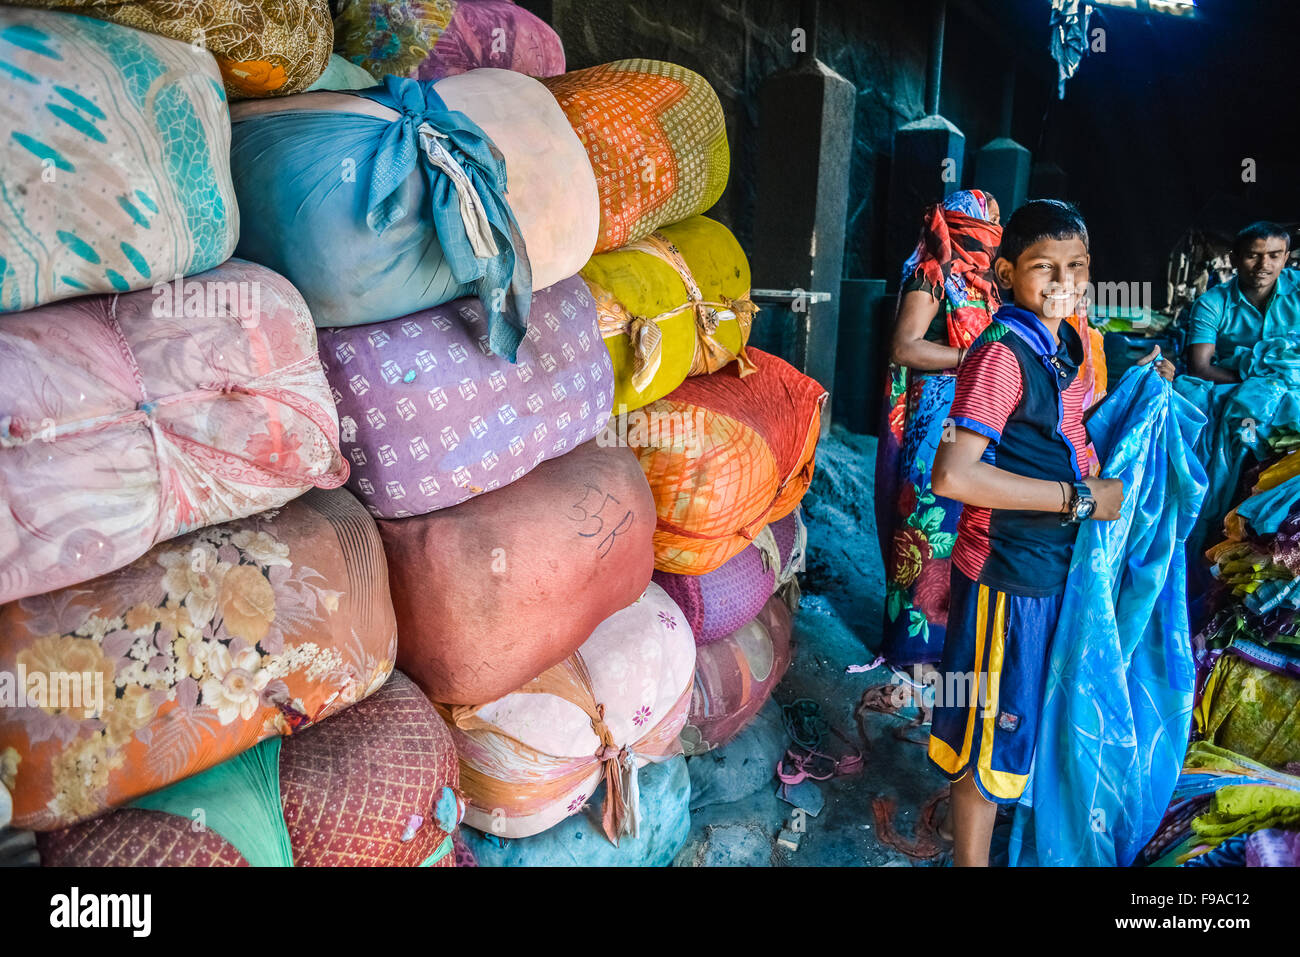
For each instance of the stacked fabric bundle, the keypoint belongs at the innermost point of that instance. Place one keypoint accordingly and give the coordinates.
(742, 630)
(116, 161)
(536, 756)
(429, 41)
(493, 592)
(671, 304)
(130, 419)
(431, 417)
(377, 785)
(395, 199)
(263, 47)
(170, 459)
(656, 139)
(734, 677)
(169, 597)
(192, 654)
(717, 603)
(725, 456)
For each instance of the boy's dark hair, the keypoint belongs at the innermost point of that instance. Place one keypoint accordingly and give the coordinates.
(1037, 220)
(1261, 230)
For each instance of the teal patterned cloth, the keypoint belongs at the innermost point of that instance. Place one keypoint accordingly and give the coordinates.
(114, 159)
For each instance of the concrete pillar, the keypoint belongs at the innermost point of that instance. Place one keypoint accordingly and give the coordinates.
(929, 155)
(1002, 166)
(866, 324)
(801, 202)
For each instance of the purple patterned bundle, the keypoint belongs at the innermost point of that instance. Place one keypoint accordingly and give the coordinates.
(719, 602)
(430, 417)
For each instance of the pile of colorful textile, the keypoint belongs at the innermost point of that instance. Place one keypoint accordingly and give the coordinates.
(491, 312)
(1238, 800)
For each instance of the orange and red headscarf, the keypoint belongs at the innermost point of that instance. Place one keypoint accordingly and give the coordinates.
(957, 247)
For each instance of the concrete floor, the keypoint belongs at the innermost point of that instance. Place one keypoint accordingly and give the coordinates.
(883, 816)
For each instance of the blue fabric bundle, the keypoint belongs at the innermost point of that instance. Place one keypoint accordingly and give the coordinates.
(374, 219)
(1117, 707)
(1242, 418)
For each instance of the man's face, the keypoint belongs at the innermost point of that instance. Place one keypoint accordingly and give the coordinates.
(1049, 278)
(1260, 263)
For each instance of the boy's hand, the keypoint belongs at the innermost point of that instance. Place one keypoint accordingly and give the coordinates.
(1163, 365)
(1109, 494)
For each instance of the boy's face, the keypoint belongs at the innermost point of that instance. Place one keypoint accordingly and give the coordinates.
(1049, 279)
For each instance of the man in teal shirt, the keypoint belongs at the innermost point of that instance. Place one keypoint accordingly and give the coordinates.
(1261, 301)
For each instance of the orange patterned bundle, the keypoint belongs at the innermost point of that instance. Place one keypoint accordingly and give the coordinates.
(192, 654)
(725, 456)
(655, 135)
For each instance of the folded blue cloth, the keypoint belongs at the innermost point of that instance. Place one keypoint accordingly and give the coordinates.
(1117, 707)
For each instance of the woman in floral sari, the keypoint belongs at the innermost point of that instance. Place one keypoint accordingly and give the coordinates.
(948, 297)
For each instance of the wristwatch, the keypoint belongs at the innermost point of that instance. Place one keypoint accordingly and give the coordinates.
(1082, 505)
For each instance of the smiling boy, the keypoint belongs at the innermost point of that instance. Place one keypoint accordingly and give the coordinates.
(1019, 463)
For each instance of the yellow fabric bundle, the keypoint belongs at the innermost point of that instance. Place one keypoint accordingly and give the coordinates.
(671, 305)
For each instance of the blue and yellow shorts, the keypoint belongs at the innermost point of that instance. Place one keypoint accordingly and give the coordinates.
(990, 686)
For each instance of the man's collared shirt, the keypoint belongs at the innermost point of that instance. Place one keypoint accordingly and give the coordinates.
(1226, 318)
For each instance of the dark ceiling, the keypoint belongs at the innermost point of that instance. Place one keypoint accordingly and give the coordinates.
(1153, 133)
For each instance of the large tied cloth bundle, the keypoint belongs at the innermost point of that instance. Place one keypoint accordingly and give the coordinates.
(430, 417)
(494, 591)
(725, 456)
(190, 655)
(532, 758)
(115, 159)
(127, 420)
(734, 677)
(375, 786)
(263, 47)
(672, 304)
(717, 603)
(381, 203)
(429, 41)
(656, 139)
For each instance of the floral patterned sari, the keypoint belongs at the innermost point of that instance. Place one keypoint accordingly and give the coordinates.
(917, 528)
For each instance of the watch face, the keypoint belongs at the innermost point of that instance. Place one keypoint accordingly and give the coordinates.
(1085, 508)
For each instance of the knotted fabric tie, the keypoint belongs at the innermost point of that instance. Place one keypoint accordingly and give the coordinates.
(465, 177)
(647, 338)
(621, 814)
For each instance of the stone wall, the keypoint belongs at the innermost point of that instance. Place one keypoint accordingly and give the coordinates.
(881, 46)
